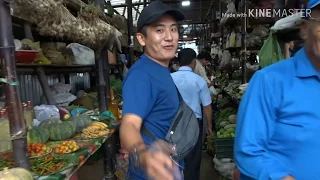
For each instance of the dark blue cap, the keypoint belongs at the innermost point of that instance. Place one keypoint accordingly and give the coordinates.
(154, 11)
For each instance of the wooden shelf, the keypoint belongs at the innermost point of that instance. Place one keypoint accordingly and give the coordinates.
(54, 69)
(249, 48)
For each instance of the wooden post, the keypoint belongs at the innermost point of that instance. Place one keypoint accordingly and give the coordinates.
(244, 43)
(102, 76)
(18, 129)
(43, 79)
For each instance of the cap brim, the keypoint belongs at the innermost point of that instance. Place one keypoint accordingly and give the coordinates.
(176, 14)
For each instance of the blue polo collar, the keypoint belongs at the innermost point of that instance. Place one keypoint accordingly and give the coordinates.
(303, 65)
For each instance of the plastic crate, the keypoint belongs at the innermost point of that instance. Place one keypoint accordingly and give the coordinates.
(223, 147)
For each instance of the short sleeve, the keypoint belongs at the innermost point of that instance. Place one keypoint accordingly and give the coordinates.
(205, 97)
(138, 94)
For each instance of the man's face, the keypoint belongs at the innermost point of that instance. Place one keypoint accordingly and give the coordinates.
(310, 32)
(161, 40)
(204, 61)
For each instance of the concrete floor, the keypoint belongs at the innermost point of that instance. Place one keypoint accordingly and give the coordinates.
(207, 168)
(95, 171)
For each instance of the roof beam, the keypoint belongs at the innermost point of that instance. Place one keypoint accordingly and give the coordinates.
(141, 3)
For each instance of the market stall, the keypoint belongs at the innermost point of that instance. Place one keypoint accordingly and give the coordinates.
(36, 137)
(220, 145)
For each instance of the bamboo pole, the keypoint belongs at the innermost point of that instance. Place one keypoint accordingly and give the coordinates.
(16, 120)
(102, 75)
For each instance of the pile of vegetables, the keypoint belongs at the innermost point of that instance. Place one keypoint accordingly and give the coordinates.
(38, 149)
(54, 19)
(40, 166)
(37, 135)
(15, 174)
(116, 86)
(65, 147)
(225, 119)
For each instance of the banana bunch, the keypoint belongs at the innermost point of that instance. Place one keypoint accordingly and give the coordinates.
(95, 130)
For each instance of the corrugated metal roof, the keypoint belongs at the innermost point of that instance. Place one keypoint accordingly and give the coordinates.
(194, 13)
(124, 11)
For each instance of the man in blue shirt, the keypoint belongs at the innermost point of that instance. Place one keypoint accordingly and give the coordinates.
(278, 122)
(150, 97)
(194, 91)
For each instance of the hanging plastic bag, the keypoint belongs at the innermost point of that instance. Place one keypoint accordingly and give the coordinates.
(82, 54)
(270, 52)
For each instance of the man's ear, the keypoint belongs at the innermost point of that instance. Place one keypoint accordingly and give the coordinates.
(303, 30)
(141, 39)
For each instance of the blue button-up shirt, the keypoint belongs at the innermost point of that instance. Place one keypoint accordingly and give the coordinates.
(193, 89)
(278, 122)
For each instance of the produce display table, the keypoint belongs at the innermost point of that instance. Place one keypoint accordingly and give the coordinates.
(233, 99)
(74, 160)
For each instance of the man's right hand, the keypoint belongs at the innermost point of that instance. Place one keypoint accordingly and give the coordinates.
(158, 165)
(289, 178)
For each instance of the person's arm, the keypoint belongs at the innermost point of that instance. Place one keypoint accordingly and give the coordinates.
(256, 121)
(206, 101)
(137, 103)
(286, 50)
(207, 110)
(138, 100)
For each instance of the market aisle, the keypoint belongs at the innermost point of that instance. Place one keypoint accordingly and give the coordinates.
(207, 170)
(95, 171)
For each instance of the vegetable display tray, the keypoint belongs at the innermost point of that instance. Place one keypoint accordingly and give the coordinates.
(223, 147)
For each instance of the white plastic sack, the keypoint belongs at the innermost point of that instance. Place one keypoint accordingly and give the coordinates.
(226, 160)
(44, 112)
(225, 167)
(226, 59)
(125, 70)
(63, 98)
(36, 123)
(243, 87)
(260, 31)
(288, 22)
(231, 8)
(61, 88)
(82, 54)
(217, 162)
(253, 67)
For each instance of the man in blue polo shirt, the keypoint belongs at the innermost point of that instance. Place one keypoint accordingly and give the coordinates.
(150, 98)
(278, 122)
(195, 92)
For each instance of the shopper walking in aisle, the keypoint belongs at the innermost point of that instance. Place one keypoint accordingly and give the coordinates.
(278, 119)
(150, 97)
(203, 60)
(194, 91)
